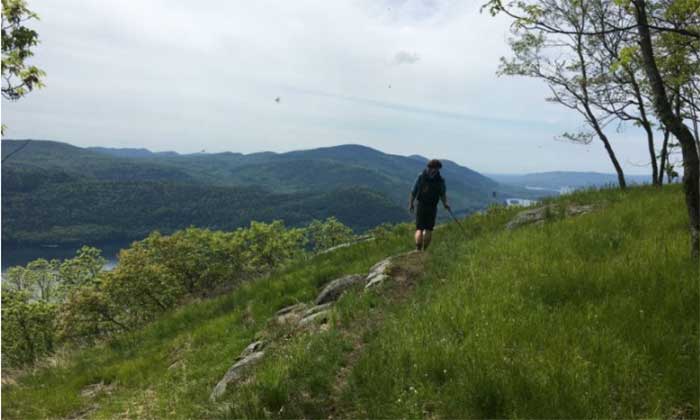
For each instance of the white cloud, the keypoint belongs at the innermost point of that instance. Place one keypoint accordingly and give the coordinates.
(182, 75)
(405, 57)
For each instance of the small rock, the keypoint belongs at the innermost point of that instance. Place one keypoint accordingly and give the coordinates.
(91, 391)
(290, 314)
(376, 281)
(577, 210)
(175, 365)
(252, 348)
(291, 308)
(380, 267)
(317, 308)
(234, 373)
(530, 216)
(334, 289)
(315, 318)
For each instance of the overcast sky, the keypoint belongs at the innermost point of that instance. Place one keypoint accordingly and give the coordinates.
(402, 76)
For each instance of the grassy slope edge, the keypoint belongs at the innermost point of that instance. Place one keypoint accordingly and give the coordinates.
(592, 316)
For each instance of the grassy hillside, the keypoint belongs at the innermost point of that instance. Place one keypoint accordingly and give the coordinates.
(589, 316)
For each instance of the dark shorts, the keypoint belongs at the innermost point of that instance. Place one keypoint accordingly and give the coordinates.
(425, 216)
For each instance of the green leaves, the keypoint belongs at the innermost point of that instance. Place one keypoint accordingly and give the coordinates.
(75, 301)
(329, 233)
(17, 41)
(27, 327)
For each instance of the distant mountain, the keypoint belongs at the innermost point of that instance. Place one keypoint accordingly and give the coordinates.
(55, 192)
(566, 180)
(132, 153)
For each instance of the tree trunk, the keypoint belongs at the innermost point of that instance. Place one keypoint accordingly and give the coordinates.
(613, 158)
(691, 161)
(655, 175)
(664, 156)
(592, 119)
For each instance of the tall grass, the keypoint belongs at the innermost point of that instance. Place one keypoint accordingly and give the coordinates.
(594, 316)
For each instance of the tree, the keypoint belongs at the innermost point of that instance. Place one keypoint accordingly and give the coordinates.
(18, 77)
(651, 22)
(674, 123)
(563, 60)
(328, 233)
(27, 327)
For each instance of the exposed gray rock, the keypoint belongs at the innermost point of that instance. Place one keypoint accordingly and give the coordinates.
(380, 268)
(577, 210)
(253, 347)
(527, 217)
(291, 308)
(317, 308)
(376, 281)
(91, 391)
(337, 287)
(234, 373)
(315, 318)
(539, 215)
(290, 314)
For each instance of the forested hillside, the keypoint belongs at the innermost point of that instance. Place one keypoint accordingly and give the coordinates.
(57, 193)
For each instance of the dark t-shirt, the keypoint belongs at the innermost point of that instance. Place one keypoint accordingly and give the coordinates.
(429, 190)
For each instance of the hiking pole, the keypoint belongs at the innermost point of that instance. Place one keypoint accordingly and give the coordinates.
(458, 224)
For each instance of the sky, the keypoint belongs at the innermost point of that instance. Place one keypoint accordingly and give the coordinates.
(401, 76)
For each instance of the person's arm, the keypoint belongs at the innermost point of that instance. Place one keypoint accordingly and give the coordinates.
(443, 196)
(413, 195)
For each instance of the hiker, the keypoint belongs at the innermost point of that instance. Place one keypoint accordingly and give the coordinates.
(428, 190)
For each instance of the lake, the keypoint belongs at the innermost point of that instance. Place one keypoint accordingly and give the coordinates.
(13, 255)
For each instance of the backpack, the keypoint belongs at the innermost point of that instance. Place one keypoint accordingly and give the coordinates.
(430, 190)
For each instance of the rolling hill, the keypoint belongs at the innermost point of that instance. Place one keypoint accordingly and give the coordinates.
(58, 193)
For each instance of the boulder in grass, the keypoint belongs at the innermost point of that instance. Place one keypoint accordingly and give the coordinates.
(253, 347)
(337, 287)
(540, 214)
(380, 268)
(234, 373)
(315, 318)
(376, 280)
(577, 210)
(317, 308)
(291, 308)
(290, 314)
(530, 216)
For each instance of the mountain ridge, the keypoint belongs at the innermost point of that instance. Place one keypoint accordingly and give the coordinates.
(38, 182)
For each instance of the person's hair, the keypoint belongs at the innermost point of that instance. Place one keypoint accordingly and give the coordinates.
(434, 163)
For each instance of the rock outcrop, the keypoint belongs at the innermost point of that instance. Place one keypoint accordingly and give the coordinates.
(302, 318)
(290, 314)
(337, 287)
(540, 214)
(235, 372)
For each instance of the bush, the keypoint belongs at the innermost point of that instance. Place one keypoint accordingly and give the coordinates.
(327, 234)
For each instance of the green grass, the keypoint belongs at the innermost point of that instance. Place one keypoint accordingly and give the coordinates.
(591, 316)
(594, 316)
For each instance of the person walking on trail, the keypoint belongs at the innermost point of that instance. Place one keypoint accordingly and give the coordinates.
(429, 189)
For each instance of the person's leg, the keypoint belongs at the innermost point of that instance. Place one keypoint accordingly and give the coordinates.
(419, 239)
(427, 235)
